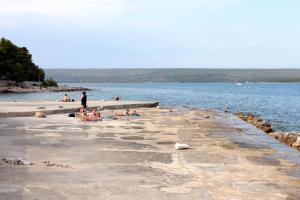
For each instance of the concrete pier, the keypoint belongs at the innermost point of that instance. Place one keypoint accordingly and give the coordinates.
(25, 109)
(63, 158)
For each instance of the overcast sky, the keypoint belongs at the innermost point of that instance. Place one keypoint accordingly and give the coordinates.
(155, 33)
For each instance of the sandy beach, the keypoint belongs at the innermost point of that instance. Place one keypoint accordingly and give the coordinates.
(135, 158)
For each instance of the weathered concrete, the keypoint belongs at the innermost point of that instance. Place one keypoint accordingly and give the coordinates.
(25, 109)
(134, 158)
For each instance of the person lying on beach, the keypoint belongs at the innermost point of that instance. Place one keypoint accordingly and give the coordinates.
(85, 117)
(134, 113)
(95, 116)
(128, 113)
(82, 109)
(125, 113)
(81, 112)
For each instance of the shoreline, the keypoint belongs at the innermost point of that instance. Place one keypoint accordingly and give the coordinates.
(37, 89)
(291, 138)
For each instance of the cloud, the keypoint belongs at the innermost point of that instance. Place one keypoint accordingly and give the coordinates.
(153, 14)
(4, 22)
(62, 9)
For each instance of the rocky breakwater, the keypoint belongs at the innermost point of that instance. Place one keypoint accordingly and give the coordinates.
(290, 138)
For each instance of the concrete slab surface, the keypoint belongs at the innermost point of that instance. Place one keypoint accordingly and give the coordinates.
(134, 158)
(24, 109)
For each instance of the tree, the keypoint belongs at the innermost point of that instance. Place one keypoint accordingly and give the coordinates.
(16, 63)
(49, 83)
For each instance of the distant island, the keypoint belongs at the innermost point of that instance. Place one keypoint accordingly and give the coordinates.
(18, 73)
(173, 75)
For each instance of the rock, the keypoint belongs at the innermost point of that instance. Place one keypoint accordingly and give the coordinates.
(298, 140)
(251, 119)
(41, 107)
(268, 130)
(264, 123)
(276, 135)
(40, 115)
(296, 144)
(297, 147)
(288, 138)
(179, 146)
(256, 121)
(241, 116)
(265, 129)
(16, 161)
(50, 164)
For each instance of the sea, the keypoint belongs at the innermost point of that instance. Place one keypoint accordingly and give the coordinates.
(278, 103)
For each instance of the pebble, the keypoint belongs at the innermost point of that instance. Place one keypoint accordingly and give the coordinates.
(50, 164)
(16, 161)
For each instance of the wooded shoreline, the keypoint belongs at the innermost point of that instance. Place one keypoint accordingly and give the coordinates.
(18, 89)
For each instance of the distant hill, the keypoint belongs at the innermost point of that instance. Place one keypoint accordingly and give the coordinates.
(173, 75)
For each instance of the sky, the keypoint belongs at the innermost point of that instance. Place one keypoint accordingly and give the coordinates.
(155, 33)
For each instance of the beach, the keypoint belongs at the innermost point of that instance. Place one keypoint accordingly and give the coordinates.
(154, 100)
(134, 157)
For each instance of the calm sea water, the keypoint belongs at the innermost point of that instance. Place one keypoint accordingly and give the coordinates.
(276, 102)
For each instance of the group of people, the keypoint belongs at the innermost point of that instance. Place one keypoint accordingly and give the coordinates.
(96, 115)
(127, 112)
(66, 98)
(83, 99)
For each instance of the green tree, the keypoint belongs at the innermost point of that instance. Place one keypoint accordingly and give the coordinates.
(49, 83)
(16, 63)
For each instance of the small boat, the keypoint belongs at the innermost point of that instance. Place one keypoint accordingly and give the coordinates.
(238, 83)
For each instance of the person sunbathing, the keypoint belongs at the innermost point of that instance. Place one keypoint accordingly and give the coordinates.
(66, 98)
(134, 113)
(81, 113)
(127, 112)
(85, 117)
(82, 109)
(95, 116)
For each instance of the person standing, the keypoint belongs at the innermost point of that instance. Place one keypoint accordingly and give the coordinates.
(83, 99)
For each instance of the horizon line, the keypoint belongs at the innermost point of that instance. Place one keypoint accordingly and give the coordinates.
(279, 68)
